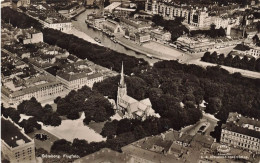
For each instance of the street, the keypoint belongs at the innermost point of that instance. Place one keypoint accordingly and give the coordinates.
(207, 120)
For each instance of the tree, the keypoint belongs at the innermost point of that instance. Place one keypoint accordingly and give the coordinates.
(48, 107)
(73, 115)
(109, 129)
(61, 145)
(221, 59)
(228, 60)
(57, 99)
(206, 57)
(212, 26)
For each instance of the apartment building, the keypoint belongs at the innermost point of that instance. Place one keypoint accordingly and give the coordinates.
(77, 75)
(16, 146)
(241, 132)
(194, 16)
(42, 87)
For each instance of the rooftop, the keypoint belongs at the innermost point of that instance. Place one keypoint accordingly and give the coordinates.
(11, 134)
(243, 125)
(104, 155)
(135, 23)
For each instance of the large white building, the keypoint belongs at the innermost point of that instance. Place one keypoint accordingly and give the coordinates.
(42, 87)
(195, 17)
(77, 75)
(241, 132)
(130, 107)
(16, 146)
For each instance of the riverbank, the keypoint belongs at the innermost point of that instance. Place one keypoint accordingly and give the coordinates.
(82, 35)
(151, 49)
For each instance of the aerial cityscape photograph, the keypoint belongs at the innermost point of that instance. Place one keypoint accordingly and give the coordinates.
(130, 81)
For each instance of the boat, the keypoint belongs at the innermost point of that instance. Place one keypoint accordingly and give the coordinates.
(149, 56)
(97, 40)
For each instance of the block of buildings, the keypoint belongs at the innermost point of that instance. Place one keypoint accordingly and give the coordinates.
(42, 87)
(140, 37)
(250, 51)
(241, 132)
(195, 17)
(16, 146)
(49, 18)
(112, 26)
(130, 107)
(18, 3)
(160, 35)
(134, 25)
(194, 44)
(170, 146)
(77, 75)
(31, 36)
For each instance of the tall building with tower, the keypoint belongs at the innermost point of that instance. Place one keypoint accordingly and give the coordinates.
(130, 107)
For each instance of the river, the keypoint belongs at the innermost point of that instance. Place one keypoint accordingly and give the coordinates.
(80, 25)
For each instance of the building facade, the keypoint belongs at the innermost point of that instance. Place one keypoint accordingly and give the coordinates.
(112, 26)
(241, 132)
(40, 87)
(160, 35)
(16, 146)
(73, 81)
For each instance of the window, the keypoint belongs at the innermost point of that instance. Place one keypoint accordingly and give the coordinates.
(17, 155)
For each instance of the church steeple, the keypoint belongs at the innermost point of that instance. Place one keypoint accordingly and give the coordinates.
(122, 80)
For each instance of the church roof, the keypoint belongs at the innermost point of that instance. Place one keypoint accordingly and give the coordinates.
(129, 99)
(142, 106)
(146, 102)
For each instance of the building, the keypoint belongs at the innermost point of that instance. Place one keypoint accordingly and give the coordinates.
(16, 146)
(104, 155)
(244, 50)
(18, 3)
(61, 25)
(170, 146)
(112, 26)
(95, 20)
(130, 107)
(241, 132)
(160, 35)
(48, 17)
(31, 36)
(123, 12)
(140, 37)
(110, 8)
(42, 87)
(77, 75)
(134, 25)
(194, 44)
(196, 17)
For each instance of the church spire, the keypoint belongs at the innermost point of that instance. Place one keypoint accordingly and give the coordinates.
(122, 80)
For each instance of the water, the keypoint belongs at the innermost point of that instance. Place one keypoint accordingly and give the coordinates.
(82, 26)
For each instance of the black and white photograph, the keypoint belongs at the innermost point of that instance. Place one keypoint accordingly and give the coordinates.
(130, 81)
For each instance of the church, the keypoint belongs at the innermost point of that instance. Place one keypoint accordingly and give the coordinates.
(130, 107)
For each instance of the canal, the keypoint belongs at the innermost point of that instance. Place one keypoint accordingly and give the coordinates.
(80, 25)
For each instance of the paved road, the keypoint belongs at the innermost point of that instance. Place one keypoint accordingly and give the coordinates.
(206, 120)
